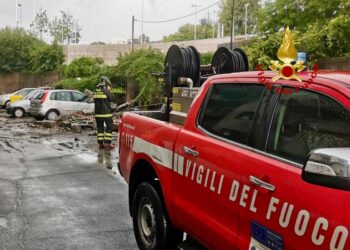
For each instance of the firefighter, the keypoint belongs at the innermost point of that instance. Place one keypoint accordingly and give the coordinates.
(104, 113)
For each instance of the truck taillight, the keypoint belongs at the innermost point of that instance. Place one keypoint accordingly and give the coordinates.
(43, 98)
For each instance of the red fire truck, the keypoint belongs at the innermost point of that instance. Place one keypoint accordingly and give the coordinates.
(250, 168)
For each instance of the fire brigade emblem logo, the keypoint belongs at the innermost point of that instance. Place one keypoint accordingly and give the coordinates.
(287, 54)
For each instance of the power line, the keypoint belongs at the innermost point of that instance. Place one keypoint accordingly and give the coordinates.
(178, 18)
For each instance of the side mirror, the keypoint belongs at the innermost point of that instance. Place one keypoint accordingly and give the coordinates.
(329, 167)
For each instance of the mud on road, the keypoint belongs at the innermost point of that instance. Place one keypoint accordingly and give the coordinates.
(57, 190)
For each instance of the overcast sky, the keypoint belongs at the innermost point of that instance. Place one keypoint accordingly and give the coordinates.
(104, 20)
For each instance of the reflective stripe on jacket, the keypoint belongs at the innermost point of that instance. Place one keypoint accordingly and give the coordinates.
(102, 98)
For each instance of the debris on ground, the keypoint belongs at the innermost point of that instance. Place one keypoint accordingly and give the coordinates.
(76, 122)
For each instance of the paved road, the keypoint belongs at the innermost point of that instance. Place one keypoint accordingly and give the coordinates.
(57, 194)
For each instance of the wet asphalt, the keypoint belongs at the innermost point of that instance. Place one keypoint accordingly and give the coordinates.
(56, 191)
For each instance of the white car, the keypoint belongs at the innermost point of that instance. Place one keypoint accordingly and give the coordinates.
(50, 104)
(5, 99)
(19, 108)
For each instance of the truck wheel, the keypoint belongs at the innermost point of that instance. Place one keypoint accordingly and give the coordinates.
(153, 231)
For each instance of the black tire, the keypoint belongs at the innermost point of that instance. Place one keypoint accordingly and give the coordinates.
(7, 103)
(50, 114)
(18, 112)
(152, 228)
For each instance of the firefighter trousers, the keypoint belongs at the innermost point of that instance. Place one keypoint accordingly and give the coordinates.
(104, 134)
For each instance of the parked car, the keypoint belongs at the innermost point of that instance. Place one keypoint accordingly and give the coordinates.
(50, 104)
(251, 168)
(19, 108)
(5, 99)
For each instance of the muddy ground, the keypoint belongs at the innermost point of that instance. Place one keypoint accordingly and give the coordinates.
(56, 191)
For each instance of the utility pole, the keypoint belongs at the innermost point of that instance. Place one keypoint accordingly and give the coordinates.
(132, 33)
(195, 24)
(142, 24)
(76, 31)
(214, 17)
(62, 32)
(68, 33)
(246, 20)
(232, 24)
(213, 29)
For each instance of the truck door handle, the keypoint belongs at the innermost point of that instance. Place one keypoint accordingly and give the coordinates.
(191, 151)
(261, 183)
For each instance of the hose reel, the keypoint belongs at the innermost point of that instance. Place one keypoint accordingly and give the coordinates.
(228, 61)
(183, 63)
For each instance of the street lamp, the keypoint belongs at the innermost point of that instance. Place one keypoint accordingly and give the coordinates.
(18, 6)
(246, 20)
(20, 13)
(195, 23)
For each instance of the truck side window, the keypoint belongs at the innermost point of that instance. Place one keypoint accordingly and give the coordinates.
(305, 121)
(230, 110)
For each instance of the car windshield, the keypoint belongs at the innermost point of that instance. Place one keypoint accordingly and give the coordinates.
(31, 95)
(23, 92)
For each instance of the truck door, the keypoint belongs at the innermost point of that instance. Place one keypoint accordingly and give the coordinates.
(208, 163)
(289, 213)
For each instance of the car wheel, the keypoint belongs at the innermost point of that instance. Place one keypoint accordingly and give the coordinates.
(51, 115)
(7, 104)
(152, 228)
(18, 112)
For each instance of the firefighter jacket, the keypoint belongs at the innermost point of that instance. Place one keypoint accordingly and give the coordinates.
(103, 98)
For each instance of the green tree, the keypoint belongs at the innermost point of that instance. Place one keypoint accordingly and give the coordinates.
(97, 43)
(83, 67)
(16, 46)
(65, 28)
(338, 36)
(47, 58)
(299, 14)
(139, 66)
(40, 25)
(263, 49)
(186, 32)
(239, 16)
(319, 27)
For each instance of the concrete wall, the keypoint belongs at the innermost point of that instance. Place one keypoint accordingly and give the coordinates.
(109, 52)
(14, 81)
